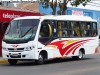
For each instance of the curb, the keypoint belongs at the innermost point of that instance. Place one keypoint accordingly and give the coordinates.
(3, 61)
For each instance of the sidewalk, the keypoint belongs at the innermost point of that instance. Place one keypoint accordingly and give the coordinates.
(3, 60)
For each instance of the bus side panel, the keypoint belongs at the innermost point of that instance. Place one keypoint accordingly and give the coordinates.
(71, 47)
(91, 45)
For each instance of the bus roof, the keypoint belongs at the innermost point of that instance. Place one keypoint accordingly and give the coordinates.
(61, 17)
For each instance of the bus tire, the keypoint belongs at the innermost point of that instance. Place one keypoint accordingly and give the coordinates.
(40, 60)
(79, 57)
(12, 61)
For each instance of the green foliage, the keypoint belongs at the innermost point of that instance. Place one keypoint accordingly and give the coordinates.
(78, 2)
(45, 3)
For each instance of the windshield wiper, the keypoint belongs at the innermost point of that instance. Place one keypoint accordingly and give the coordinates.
(27, 31)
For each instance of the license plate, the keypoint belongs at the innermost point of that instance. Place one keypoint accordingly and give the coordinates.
(14, 54)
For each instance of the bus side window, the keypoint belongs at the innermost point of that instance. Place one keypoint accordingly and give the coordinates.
(70, 31)
(59, 29)
(65, 33)
(83, 27)
(76, 28)
(94, 29)
(41, 33)
(62, 29)
(45, 33)
(54, 31)
(88, 29)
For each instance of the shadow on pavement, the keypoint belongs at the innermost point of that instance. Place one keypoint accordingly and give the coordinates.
(54, 61)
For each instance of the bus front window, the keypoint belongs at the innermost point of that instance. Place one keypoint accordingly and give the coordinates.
(21, 31)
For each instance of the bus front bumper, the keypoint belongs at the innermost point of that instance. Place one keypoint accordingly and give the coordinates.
(18, 55)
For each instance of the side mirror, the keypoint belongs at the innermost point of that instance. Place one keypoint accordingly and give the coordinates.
(4, 23)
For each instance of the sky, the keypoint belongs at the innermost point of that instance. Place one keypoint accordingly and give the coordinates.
(95, 5)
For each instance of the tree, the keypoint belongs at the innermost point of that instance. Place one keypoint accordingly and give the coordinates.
(62, 5)
(53, 5)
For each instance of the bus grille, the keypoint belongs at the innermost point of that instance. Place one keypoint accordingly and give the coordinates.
(16, 50)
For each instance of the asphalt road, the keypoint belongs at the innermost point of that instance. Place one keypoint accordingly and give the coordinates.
(90, 65)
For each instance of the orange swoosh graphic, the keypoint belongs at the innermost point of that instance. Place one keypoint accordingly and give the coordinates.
(60, 45)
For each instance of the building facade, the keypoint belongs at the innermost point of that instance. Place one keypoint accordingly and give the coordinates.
(84, 11)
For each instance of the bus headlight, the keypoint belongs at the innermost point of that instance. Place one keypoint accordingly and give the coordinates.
(3, 48)
(28, 48)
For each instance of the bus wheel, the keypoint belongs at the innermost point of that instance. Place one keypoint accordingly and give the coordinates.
(79, 57)
(12, 61)
(40, 60)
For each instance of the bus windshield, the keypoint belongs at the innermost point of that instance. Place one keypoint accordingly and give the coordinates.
(22, 30)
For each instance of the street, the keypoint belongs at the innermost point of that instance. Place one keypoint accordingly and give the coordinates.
(31, 29)
(90, 65)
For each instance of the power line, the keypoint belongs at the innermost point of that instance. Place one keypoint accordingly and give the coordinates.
(93, 4)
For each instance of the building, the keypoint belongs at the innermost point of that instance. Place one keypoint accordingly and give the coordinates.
(7, 14)
(92, 10)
